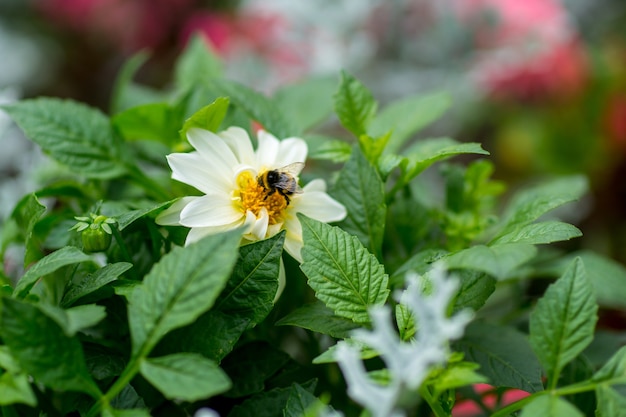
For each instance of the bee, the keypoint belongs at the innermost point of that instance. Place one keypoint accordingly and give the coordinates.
(282, 180)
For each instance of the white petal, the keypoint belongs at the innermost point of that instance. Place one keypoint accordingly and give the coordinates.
(291, 150)
(197, 233)
(315, 185)
(282, 281)
(267, 150)
(259, 225)
(171, 215)
(293, 238)
(239, 142)
(213, 150)
(210, 210)
(319, 206)
(191, 169)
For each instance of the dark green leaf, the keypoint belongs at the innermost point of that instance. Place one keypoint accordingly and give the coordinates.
(258, 107)
(72, 133)
(562, 324)
(499, 261)
(76, 318)
(68, 255)
(128, 218)
(250, 366)
(344, 275)
(308, 102)
(42, 349)
(354, 104)
(208, 118)
(26, 214)
(539, 233)
(183, 285)
(504, 356)
(610, 403)
(361, 191)
(607, 277)
(197, 65)
(299, 402)
(252, 287)
(318, 318)
(476, 287)
(550, 406)
(614, 371)
(407, 116)
(136, 412)
(94, 282)
(270, 403)
(159, 122)
(185, 376)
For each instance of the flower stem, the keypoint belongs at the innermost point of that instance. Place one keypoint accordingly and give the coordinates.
(432, 402)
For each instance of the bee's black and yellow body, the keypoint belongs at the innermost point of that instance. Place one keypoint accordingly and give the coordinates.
(281, 181)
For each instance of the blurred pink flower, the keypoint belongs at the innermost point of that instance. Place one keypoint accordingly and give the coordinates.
(525, 49)
(468, 408)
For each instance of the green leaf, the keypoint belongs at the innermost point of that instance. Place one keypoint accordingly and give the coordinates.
(42, 349)
(504, 356)
(607, 277)
(270, 403)
(426, 152)
(318, 318)
(15, 388)
(550, 406)
(127, 94)
(185, 376)
(343, 274)
(373, 146)
(329, 355)
(407, 116)
(68, 255)
(72, 133)
(299, 402)
(257, 106)
(354, 104)
(158, 122)
(610, 403)
(528, 205)
(499, 261)
(209, 117)
(539, 233)
(26, 214)
(328, 149)
(133, 412)
(251, 365)
(562, 324)
(128, 218)
(476, 287)
(308, 102)
(614, 371)
(197, 65)
(76, 318)
(252, 287)
(183, 285)
(457, 375)
(93, 282)
(406, 322)
(361, 191)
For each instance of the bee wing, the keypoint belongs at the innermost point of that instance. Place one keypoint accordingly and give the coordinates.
(292, 169)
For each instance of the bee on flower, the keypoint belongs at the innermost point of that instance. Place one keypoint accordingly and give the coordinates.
(257, 190)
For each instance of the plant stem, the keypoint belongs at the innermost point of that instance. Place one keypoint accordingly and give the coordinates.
(127, 375)
(432, 402)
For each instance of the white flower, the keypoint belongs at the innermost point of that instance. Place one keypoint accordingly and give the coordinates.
(226, 168)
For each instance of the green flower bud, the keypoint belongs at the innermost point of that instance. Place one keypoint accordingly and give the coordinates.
(95, 232)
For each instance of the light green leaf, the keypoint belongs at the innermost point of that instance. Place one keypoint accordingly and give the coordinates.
(329, 355)
(614, 371)
(76, 318)
(251, 289)
(550, 406)
(562, 324)
(456, 375)
(209, 117)
(185, 376)
(182, 286)
(26, 214)
(406, 322)
(94, 282)
(158, 122)
(300, 401)
(354, 104)
(528, 205)
(539, 233)
(476, 287)
(128, 218)
(361, 191)
(15, 388)
(318, 318)
(133, 412)
(308, 102)
(328, 149)
(426, 152)
(607, 277)
(499, 261)
(42, 349)
(610, 403)
(343, 274)
(257, 106)
(73, 134)
(68, 255)
(197, 65)
(504, 356)
(373, 146)
(407, 116)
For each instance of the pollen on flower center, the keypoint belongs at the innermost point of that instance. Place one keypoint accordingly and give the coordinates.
(254, 196)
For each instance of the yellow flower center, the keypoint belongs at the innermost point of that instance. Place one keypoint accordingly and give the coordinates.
(254, 196)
